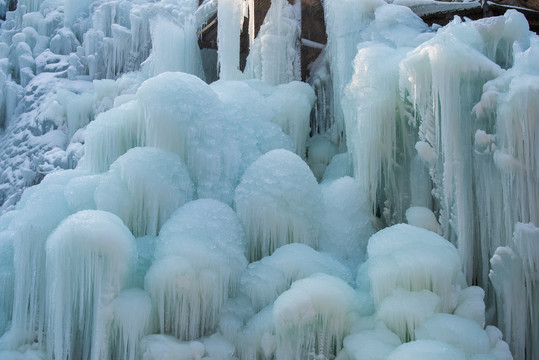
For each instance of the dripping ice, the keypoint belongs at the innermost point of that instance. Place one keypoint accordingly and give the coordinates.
(149, 214)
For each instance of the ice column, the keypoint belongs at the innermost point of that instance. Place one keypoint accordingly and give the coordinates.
(514, 276)
(344, 21)
(273, 57)
(432, 74)
(230, 22)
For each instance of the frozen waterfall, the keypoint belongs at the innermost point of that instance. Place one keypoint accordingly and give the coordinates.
(386, 208)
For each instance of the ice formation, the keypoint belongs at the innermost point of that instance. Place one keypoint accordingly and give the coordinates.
(144, 187)
(279, 202)
(140, 247)
(313, 317)
(89, 258)
(199, 255)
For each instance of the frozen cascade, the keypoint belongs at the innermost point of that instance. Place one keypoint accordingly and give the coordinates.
(205, 176)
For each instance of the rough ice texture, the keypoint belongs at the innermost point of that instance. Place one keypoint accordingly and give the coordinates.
(230, 21)
(263, 281)
(513, 275)
(89, 257)
(199, 255)
(110, 136)
(313, 317)
(144, 187)
(279, 202)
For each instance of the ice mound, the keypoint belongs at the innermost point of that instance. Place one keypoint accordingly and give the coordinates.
(89, 258)
(144, 187)
(320, 152)
(263, 281)
(313, 317)
(279, 202)
(370, 345)
(110, 135)
(164, 347)
(414, 259)
(199, 255)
